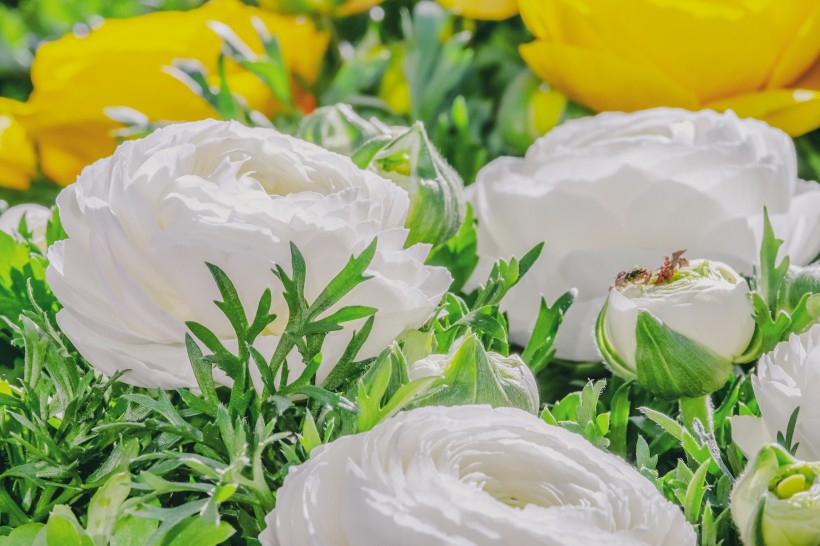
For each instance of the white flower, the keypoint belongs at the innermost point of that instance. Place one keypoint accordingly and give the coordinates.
(37, 218)
(469, 476)
(615, 190)
(142, 224)
(472, 375)
(786, 378)
(701, 308)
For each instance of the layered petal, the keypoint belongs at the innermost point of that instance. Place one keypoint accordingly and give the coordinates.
(473, 476)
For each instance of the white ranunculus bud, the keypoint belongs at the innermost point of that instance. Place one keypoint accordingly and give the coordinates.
(143, 223)
(471, 375)
(37, 218)
(677, 330)
(619, 189)
(470, 475)
(776, 501)
(786, 379)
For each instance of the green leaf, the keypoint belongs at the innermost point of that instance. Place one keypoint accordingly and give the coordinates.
(63, 529)
(24, 535)
(199, 532)
(230, 305)
(104, 508)
(619, 420)
(133, 531)
(539, 350)
(348, 278)
(695, 491)
(772, 274)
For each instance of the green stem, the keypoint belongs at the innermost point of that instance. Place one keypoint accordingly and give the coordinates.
(697, 408)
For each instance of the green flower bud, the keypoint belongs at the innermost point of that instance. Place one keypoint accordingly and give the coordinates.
(471, 375)
(436, 191)
(338, 128)
(676, 330)
(776, 501)
(801, 281)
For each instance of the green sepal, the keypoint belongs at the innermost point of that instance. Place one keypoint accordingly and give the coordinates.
(671, 365)
(471, 378)
(610, 356)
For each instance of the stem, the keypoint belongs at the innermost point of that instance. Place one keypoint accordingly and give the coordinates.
(697, 408)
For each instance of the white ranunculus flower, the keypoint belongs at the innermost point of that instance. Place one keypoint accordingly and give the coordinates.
(469, 476)
(786, 378)
(37, 218)
(701, 308)
(143, 222)
(615, 190)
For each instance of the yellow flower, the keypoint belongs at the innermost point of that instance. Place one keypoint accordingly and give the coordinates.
(482, 9)
(337, 8)
(757, 57)
(122, 62)
(17, 161)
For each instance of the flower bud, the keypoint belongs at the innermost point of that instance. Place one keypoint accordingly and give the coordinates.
(471, 375)
(436, 191)
(676, 330)
(801, 281)
(337, 128)
(776, 501)
(35, 219)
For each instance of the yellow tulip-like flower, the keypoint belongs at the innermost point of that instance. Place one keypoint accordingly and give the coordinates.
(123, 63)
(333, 8)
(17, 161)
(760, 58)
(494, 10)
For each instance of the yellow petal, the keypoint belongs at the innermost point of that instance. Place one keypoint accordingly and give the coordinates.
(602, 81)
(714, 49)
(356, 6)
(17, 161)
(801, 53)
(122, 62)
(321, 7)
(482, 9)
(796, 111)
(811, 79)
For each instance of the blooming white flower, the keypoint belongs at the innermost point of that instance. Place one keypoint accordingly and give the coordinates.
(701, 308)
(786, 378)
(142, 224)
(615, 190)
(37, 218)
(473, 375)
(469, 476)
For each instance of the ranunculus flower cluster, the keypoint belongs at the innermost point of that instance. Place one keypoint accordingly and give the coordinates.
(143, 223)
(470, 475)
(616, 190)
